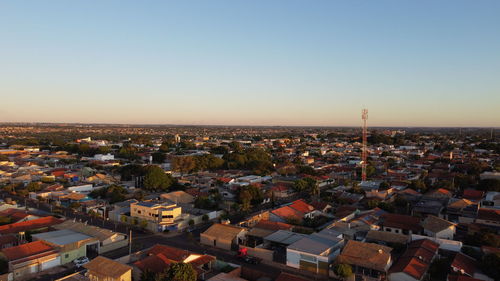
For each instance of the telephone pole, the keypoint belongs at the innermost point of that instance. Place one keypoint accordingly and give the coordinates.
(364, 151)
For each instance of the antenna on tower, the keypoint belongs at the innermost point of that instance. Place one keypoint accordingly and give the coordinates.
(364, 151)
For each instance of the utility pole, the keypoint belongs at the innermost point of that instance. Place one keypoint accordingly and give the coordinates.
(130, 242)
(364, 151)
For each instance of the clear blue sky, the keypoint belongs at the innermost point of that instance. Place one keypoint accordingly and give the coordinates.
(411, 63)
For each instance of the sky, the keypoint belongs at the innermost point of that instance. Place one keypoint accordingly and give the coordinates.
(259, 62)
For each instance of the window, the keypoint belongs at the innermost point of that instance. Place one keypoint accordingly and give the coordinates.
(66, 256)
(308, 258)
(396, 230)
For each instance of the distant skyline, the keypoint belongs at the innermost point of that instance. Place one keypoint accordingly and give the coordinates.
(280, 62)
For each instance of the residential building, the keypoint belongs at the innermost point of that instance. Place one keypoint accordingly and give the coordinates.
(104, 269)
(223, 236)
(164, 214)
(70, 244)
(368, 260)
(438, 228)
(415, 261)
(26, 260)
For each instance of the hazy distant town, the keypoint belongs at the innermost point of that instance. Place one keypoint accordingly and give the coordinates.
(145, 203)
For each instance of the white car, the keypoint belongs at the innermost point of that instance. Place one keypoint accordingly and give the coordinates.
(81, 261)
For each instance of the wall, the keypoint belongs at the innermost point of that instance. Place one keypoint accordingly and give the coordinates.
(264, 254)
(69, 256)
(113, 246)
(400, 276)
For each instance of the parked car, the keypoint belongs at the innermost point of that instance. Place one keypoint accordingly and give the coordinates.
(81, 261)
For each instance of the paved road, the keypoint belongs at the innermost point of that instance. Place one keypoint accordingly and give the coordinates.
(143, 240)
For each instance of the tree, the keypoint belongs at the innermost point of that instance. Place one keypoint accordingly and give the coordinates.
(342, 270)
(164, 147)
(191, 222)
(205, 218)
(33, 186)
(183, 164)
(245, 198)
(156, 179)
(489, 185)
(181, 272)
(418, 185)
(490, 264)
(158, 157)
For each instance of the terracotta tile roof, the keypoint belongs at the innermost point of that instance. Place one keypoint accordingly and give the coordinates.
(29, 225)
(301, 206)
(487, 214)
(204, 259)
(388, 237)
(402, 222)
(15, 214)
(287, 212)
(460, 204)
(473, 194)
(463, 264)
(7, 239)
(170, 253)
(106, 267)
(154, 263)
(416, 260)
(27, 250)
(367, 255)
(436, 224)
(272, 225)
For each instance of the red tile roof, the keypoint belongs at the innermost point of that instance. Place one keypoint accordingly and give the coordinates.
(464, 264)
(287, 212)
(301, 206)
(487, 214)
(29, 225)
(473, 194)
(402, 222)
(416, 260)
(170, 253)
(154, 263)
(27, 250)
(273, 225)
(15, 214)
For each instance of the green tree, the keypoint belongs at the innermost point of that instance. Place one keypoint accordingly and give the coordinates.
(158, 157)
(183, 164)
(342, 270)
(181, 272)
(490, 264)
(156, 179)
(33, 186)
(245, 197)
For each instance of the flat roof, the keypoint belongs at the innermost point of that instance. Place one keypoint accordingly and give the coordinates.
(285, 237)
(61, 237)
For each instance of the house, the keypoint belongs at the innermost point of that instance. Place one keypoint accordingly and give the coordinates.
(108, 240)
(386, 238)
(33, 225)
(473, 195)
(438, 228)
(104, 269)
(415, 261)
(164, 214)
(315, 252)
(18, 215)
(283, 238)
(223, 236)
(465, 266)
(26, 260)
(368, 260)
(179, 197)
(462, 211)
(400, 224)
(70, 244)
(489, 217)
(264, 228)
(297, 211)
(491, 200)
(159, 257)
